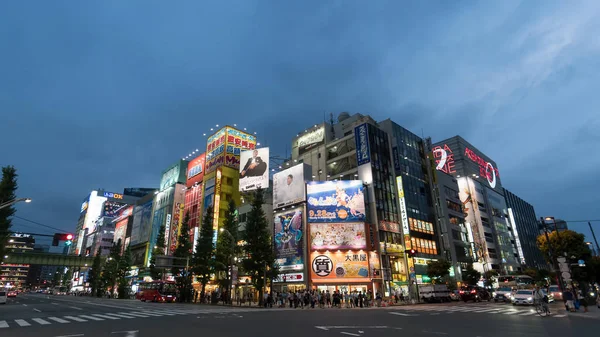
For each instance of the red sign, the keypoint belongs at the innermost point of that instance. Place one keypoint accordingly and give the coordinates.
(444, 158)
(195, 170)
(486, 169)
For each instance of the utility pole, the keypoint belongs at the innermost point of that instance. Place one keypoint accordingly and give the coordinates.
(594, 236)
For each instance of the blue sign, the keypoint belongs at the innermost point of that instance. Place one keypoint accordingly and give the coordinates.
(336, 201)
(361, 135)
(113, 195)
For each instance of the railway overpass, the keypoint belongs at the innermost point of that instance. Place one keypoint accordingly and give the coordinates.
(48, 259)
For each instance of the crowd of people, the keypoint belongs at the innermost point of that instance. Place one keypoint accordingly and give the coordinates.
(322, 299)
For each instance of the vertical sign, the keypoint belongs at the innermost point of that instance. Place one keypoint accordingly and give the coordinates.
(167, 228)
(403, 213)
(361, 135)
(217, 204)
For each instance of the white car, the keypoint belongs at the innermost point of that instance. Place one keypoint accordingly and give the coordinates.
(3, 297)
(523, 297)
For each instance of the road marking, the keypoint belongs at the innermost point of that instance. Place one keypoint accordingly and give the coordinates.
(40, 321)
(92, 318)
(76, 308)
(54, 303)
(560, 315)
(349, 333)
(3, 324)
(511, 312)
(76, 319)
(132, 333)
(401, 314)
(36, 310)
(105, 316)
(150, 313)
(527, 313)
(435, 333)
(76, 335)
(120, 315)
(59, 320)
(22, 322)
(23, 304)
(134, 314)
(351, 327)
(434, 313)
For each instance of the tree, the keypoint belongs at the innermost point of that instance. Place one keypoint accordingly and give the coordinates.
(66, 278)
(183, 251)
(203, 263)
(436, 270)
(8, 189)
(110, 274)
(260, 256)
(94, 277)
(227, 244)
(159, 249)
(566, 243)
(470, 276)
(490, 277)
(123, 270)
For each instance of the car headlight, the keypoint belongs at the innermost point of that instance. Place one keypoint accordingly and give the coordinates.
(592, 294)
(494, 294)
(529, 298)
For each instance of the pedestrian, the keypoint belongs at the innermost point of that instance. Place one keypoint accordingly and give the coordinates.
(378, 299)
(568, 297)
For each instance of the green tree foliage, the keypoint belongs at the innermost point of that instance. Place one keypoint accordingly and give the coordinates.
(95, 276)
(122, 273)
(203, 262)
(66, 279)
(437, 270)
(490, 277)
(260, 260)
(566, 243)
(159, 249)
(227, 243)
(183, 251)
(110, 274)
(8, 190)
(471, 276)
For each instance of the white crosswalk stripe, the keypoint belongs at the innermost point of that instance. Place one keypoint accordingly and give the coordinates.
(120, 315)
(134, 314)
(105, 316)
(76, 319)
(22, 322)
(59, 320)
(494, 309)
(91, 317)
(3, 324)
(40, 321)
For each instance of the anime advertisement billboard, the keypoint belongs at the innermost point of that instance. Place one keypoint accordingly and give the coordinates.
(334, 236)
(336, 201)
(288, 236)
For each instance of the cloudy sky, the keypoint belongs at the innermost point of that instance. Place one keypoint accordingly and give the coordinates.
(108, 95)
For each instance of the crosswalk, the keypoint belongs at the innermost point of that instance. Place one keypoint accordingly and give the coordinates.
(475, 309)
(92, 317)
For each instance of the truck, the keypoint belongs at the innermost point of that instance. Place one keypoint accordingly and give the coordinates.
(434, 293)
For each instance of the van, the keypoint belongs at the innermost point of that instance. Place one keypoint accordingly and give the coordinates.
(3, 297)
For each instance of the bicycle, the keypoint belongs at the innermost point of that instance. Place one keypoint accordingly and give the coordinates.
(542, 308)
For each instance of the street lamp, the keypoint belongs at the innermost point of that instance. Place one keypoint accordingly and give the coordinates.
(225, 231)
(12, 202)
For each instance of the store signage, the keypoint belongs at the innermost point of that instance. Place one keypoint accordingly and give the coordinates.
(403, 212)
(389, 226)
(444, 159)
(486, 169)
(361, 136)
(341, 201)
(291, 277)
(332, 265)
(84, 206)
(311, 140)
(167, 228)
(322, 265)
(113, 195)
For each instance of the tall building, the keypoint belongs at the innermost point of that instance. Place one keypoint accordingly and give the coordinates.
(193, 195)
(490, 232)
(141, 234)
(413, 181)
(522, 215)
(15, 274)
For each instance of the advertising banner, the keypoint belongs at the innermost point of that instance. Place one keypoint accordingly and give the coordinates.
(289, 186)
(403, 211)
(173, 175)
(176, 224)
(289, 277)
(333, 236)
(374, 265)
(336, 201)
(311, 140)
(288, 236)
(120, 231)
(361, 136)
(254, 170)
(195, 170)
(215, 147)
(236, 142)
(389, 226)
(339, 265)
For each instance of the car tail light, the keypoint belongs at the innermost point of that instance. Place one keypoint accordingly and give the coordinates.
(473, 291)
(461, 292)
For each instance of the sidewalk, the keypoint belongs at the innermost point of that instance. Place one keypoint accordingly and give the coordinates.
(593, 312)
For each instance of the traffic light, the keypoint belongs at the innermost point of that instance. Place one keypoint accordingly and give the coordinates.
(411, 252)
(67, 238)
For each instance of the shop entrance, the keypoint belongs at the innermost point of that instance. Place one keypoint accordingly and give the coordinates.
(343, 288)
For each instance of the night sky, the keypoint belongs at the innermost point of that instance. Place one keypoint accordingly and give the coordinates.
(108, 95)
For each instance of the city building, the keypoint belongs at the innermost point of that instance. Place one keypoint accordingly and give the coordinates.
(522, 215)
(14, 275)
(490, 232)
(193, 195)
(141, 235)
(412, 172)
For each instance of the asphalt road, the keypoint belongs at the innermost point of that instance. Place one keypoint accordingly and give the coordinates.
(88, 317)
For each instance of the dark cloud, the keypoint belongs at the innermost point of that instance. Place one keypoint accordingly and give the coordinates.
(109, 94)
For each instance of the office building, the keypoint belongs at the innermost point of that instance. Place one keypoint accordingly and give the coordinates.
(14, 275)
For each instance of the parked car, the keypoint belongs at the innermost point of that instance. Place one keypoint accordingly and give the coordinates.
(2, 296)
(474, 293)
(502, 294)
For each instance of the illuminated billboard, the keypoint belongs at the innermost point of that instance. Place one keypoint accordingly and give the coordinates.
(289, 239)
(361, 136)
(175, 174)
(310, 140)
(334, 236)
(289, 186)
(224, 147)
(254, 169)
(338, 265)
(335, 201)
(195, 170)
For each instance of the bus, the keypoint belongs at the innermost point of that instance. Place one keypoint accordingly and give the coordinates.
(157, 291)
(515, 281)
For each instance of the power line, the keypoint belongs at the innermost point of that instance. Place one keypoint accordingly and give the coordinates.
(39, 224)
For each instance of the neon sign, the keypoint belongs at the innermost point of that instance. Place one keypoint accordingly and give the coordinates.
(445, 163)
(486, 169)
(113, 195)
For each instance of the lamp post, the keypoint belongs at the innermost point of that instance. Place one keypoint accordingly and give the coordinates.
(12, 202)
(225, 231)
